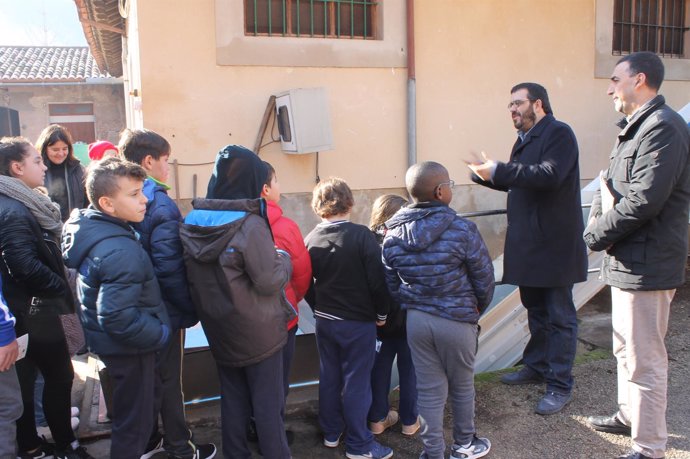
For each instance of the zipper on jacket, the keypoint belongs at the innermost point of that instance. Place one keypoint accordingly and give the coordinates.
(69, 192)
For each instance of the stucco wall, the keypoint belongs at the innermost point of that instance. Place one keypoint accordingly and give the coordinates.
(32, 103)
(468, 53)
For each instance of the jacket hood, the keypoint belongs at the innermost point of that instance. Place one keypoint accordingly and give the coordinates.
(238, 173)
(87, 227)
(419, 225)
(208, 228)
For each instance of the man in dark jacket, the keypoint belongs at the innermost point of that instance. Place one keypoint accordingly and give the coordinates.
(640, 218)
(544, 252)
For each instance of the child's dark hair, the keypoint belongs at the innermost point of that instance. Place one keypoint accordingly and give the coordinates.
(101, 178)
(12, 149)
(332, 197)
(384, 208)
(137, 144)
(50, 136)
(271, 173)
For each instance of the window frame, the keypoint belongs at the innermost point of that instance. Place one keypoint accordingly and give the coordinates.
(676, 69)
(233, 47)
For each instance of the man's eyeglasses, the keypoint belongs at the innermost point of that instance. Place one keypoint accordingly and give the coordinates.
(450, 183)
(516, 103)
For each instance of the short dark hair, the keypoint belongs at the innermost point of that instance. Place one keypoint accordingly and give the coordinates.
(271, 174)
(50, 136)
(535, 92)
(101, 177)
(137, 144)
(12, 149)
(421, 180)
(648, 63)
(332, 197)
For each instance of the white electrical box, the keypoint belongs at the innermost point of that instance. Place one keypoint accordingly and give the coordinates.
(304, 123)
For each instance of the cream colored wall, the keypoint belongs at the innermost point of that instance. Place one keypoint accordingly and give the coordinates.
(469, 54)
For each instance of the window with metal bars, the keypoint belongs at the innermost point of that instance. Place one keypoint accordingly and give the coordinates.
(353, 19)
(659, 26)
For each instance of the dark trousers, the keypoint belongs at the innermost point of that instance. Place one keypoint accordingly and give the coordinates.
(133, 380)
(381, 381)
(53, 361)
(552, 320)
(346, 356)
(258, 386)
(169, 398)
(288, 354)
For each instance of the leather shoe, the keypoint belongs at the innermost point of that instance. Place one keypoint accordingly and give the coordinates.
(552, 402)
(523, 376)
(635, 455)
(608, 424)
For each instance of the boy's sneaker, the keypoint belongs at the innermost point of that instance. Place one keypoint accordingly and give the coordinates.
(154, 447)
(377, 451)
(411, 429)
(379, 427)
(45, 451)
(73, 453)
(479, 447)
(207, 451)
(332, 441)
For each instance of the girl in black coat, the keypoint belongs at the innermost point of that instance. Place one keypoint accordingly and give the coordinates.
(36, 289)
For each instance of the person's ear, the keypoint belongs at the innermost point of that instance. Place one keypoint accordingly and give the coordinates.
(538, 104)
(147, 162)
(640, 79)
(106, 204)
(265, 190)
(16, 169)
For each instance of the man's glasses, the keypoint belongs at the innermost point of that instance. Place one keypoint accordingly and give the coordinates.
(450, 183)
(516, 103)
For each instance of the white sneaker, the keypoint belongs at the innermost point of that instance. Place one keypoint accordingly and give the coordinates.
(74, 412)
(479, 447)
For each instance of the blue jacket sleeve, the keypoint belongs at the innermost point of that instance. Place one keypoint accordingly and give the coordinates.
(168, 263)
(7, 321)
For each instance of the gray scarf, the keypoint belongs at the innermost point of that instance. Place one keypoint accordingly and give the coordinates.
(46, 212)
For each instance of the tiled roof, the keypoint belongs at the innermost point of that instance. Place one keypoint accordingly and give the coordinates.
(104, 26)
(39, 64)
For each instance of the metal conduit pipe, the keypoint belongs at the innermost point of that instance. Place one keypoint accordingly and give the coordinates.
(411, 89)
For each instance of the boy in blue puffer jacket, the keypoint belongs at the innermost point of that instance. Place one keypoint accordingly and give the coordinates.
(160, 236)
(124, 318)
(439, 270)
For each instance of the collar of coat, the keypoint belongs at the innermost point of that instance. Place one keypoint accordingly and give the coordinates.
(642, 113)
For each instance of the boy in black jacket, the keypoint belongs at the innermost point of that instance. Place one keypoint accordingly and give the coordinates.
(124, 318)
(350, 299)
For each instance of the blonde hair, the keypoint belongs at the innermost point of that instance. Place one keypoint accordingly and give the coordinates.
(384, 208)
(332, 197)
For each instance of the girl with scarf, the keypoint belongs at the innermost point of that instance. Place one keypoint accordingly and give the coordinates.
(36, 289)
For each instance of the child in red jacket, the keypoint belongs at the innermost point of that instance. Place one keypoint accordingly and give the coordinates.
(288, 237)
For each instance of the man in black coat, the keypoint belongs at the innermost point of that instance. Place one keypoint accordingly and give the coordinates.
(544, 251)
(640, 218)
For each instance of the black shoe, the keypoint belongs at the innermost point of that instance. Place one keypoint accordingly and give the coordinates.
(154, 447)
(523, 376)
(73, 453)
(635, 455)
(45, 451)
(608, 424)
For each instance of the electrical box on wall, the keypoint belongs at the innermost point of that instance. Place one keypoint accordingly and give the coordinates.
(304, 123)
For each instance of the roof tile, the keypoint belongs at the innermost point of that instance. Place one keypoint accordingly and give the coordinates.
(23, 64)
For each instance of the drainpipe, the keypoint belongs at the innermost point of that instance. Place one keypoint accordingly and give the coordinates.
(411, 89)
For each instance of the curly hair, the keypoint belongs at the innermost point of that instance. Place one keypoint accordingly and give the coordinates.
(332, 197)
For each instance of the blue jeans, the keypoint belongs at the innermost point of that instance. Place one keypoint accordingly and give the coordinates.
(552, 320)
(346, 355)
(381, 381)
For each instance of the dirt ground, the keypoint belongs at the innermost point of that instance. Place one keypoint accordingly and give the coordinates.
(505, 414)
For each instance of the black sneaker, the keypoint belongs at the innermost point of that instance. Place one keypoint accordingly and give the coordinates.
(154, 447)
(45, 451)
(207, 451)
(73, 453)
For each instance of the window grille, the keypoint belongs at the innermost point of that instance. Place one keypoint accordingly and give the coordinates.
(353, 19)
(659, 26)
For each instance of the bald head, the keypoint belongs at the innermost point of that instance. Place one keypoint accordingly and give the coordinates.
(422, 179)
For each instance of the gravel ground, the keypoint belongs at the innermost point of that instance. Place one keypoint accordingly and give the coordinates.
(505, 414)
